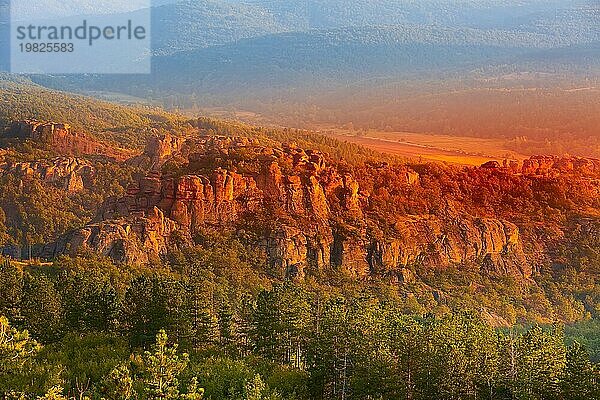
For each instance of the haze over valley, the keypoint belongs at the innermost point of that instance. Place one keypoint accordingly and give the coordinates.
(306, 200)
(528, 71)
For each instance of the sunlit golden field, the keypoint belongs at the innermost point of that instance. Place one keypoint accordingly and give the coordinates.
(443, 148)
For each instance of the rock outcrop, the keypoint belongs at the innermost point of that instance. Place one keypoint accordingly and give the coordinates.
(549, 166)
(64, 140)
(140, 239)
(68, 173)
(313, 216)
(160, 147)
(493, 243)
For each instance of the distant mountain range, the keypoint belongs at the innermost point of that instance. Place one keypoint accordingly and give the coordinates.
(188, 24)
(330, 58)
(236, 53)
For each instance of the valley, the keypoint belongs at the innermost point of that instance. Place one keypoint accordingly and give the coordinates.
(125, 225)
(435, 148)
(408, 145)
(307, 200)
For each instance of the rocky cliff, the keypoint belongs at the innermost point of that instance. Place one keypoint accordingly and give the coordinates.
(63, 139)
(68, 173)
(139, 239)
(549, 166)
(308, 213)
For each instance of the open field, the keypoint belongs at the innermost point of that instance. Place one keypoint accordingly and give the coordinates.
(441, 148)
(460, 150)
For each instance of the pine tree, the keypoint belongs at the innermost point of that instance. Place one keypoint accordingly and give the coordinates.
(407, 351)
(16, 347)
(227, 334)
(255, 389)
(17, 351)
(90, 302)
(539, 361)
(118, 385)
(578, 381)
(163, 366)
(265, 326)
(206, 330)
(145, 309)
(42, 308)
(11, 288)
(54, 393)
(197, 320)
(330, 353)
(280, 324)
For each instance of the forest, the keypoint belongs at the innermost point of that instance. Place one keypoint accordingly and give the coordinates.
(83, 329)
(206, 259)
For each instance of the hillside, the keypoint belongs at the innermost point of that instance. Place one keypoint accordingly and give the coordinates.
(530, 72)
(20, 99)
(273, 255)
(219, 22)
(229, 44)
(307, 205)
(258, 68)
(97, 135)
(529, 113)
(410, 77)
(189, 25)
(305, 200)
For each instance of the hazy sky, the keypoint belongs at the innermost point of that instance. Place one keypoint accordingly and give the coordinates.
(52, 8)
(64, 8)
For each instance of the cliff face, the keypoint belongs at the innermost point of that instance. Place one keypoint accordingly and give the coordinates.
(68, 173)
(550, 166)
(139, 239)
(64, 140)
(313, 215)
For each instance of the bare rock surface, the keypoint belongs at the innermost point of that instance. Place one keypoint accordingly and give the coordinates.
(315, 217)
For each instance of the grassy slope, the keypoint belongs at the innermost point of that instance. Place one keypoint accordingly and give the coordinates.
(129, 127)
(125, 126)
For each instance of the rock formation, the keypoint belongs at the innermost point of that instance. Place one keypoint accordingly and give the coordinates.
(140, 239)
(64, 140)
(549, 166)
(313, 216)
(68, 173)
(160, 147)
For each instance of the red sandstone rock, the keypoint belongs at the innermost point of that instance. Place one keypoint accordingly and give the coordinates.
(63, 139)
(70, 174)
(326, 223)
